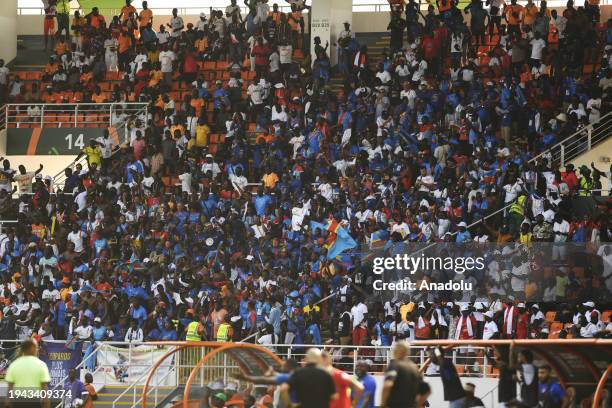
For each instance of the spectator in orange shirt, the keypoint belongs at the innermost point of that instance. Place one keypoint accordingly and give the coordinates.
(50, 69)
(96, 20)
(275, 14)
(514, 15)
(62, 46)
(146, 15)
(98, 96)
(126, 10)
(125, 46)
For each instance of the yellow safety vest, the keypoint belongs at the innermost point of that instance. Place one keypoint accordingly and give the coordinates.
(585, 186)
(192, 332)
(518, 206)
(223, 332)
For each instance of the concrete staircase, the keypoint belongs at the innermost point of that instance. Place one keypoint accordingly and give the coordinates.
(376, 43)
(109, 393)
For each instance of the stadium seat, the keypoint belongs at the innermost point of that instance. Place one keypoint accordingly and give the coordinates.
(50, 120)
(550, 316)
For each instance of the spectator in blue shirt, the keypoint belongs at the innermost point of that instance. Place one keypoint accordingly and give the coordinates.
(550, 393)
(138, 312)
(369, 384)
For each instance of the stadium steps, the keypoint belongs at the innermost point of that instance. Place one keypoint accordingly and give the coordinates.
(108, 394)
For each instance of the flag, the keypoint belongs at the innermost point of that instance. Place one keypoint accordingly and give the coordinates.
(338, 239)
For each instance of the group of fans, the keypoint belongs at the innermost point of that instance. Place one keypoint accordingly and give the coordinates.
(166, 238)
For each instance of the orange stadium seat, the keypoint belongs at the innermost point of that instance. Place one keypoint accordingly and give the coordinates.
(50, 120)
(550, 316)
(91, 120)
(65, 120)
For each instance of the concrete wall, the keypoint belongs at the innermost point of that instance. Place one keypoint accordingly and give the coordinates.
(8, 29)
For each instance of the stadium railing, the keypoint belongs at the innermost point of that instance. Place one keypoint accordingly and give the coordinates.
(71, 115)
(580, 142)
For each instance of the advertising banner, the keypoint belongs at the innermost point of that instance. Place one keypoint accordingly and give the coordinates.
(122, 365)
(60, 359)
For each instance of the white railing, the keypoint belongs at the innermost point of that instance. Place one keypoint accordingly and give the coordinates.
(580, 142)
(71, 115)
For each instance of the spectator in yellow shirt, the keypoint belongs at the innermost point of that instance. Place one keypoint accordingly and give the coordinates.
(269, 179)
(93, 153)
(202, 132)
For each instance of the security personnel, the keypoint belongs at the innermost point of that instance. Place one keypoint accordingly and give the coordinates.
(517, 213)
(585, 182)
(194, 329)
(63, 18)
(225, 331)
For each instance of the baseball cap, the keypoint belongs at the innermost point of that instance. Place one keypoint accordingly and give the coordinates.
(221, 396)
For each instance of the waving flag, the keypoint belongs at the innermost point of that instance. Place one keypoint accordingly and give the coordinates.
(338, 239)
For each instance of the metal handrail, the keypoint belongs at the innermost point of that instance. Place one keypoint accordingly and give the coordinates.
(604, 120)
(154, 388)
(546, 153)
(60, 178)
(133, 387)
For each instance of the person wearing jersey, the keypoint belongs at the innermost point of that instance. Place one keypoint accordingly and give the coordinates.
(49, 23)
(348, 388)
(528, 378)
(550, 393)
(402, 379)
(513, 14)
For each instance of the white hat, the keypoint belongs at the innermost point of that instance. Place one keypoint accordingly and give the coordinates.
(249, 257)
(463, 308)
(209, 156)
(49, 178)
(489, 314)
(450, 304)
(203, 14)
(146, 260)
(608, 47)
(462, 224)
(562, 117)
(535, 306)
(279, 85)
(234, 319)
(97, 320)
(589, 304)
(520, 305)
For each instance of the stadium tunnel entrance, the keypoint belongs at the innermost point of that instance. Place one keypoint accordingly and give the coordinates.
(583, 364)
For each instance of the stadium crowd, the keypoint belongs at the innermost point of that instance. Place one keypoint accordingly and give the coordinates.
(165, 238)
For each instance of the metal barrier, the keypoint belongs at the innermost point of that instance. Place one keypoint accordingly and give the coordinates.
(580, 142)
(71, 115)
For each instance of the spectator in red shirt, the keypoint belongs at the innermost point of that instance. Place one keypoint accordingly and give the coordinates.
(569, 177)
(431, 52)
(261, 52)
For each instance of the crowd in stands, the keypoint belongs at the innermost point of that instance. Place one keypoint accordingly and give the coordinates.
(174, 235)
